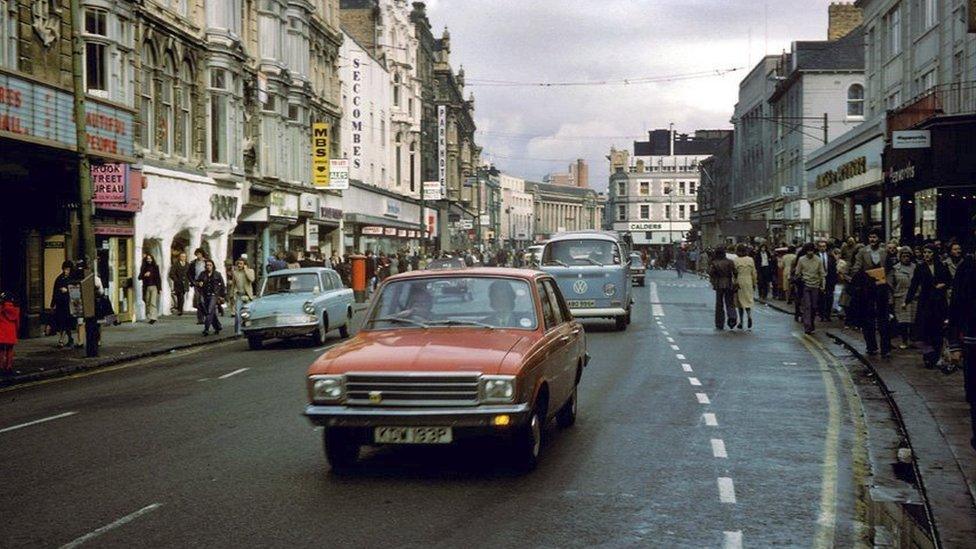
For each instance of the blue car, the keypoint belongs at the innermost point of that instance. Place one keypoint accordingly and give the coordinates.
(298, 303)
(593, 273)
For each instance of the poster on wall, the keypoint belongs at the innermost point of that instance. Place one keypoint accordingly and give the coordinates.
(109, 182)
(339, 174)
(320, 155)
(432, 190)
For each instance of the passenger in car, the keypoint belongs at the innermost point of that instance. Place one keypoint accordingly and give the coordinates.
(502, 298)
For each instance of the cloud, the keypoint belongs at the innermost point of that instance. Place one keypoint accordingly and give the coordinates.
(531, 131)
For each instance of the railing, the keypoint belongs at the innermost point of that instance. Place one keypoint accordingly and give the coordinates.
(956, 98)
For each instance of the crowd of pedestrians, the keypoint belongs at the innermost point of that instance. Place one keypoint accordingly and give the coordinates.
(920, 296)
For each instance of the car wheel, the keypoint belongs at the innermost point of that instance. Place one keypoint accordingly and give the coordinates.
(528, 442)
(566, 416)
(254, 343)
(344, 329)
(340, 451)
(620, 323)
(320, 333)
(628, 316)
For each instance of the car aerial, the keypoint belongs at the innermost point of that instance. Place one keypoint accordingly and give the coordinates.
(593, 273)
(637, 268)
(298, 303)
(430, 368)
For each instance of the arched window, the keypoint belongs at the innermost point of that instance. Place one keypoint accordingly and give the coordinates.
(413, 166)
(399, 159)
(164, 95)
(183, 97)
(855, 100)
(396, 90)
(146, 87)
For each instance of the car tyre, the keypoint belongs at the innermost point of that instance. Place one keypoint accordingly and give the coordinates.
(321, 332)
(344, 329)
(620, 323)
(340, 450)
(566, 416)
(254, 343)
(641, 283)
(528, 441)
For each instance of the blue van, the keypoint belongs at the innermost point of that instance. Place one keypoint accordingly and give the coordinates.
(592, 270)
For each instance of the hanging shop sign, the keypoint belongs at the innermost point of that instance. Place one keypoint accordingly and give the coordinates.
(283, 205)
(854, 168)
(911, 139)
(356, 114)
(644, 226)
(901, 174)
(402, 233)
(442, 148)
(308, 203)
(389, 231)
(40, 112)
(339, 174)
(320, 155)
(432, 190)
(109, 182)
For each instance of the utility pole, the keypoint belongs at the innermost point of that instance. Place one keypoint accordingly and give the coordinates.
(86, 249)
(826, 136)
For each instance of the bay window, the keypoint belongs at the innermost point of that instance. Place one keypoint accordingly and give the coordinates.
(224, 15)
(270, 24)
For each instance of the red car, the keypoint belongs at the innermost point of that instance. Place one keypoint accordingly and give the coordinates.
(431, 367)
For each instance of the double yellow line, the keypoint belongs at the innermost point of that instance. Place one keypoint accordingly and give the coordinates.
(833, 371)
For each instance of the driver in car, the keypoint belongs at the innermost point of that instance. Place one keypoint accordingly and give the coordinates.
(502, 298)
(420, 305)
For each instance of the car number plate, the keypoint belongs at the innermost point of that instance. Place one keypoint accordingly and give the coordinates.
(581, 304)
(413, 435)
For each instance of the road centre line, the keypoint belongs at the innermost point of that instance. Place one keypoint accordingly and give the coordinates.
(656, 308)
(670, 339)
(675, 348)
(680, 357)
(826, 522)
(694, 381)
(234, 373)
(686, 367)
(726, 490)
(702, 398)
(112, 525)
(36, 421)
(718, 448)
(733, 540)
(710, 419)
(665, 333)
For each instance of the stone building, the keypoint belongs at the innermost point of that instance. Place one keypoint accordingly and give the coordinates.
(559, 208)
(577, 176)
(517, 213)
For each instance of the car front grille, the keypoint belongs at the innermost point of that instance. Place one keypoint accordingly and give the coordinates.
(276, 321)
(412, 389)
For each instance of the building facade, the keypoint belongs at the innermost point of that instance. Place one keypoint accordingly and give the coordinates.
(653, 194)
(559, 208)
(577, 176)
(517, 212)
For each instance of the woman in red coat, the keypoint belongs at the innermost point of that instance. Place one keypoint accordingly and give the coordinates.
(9, 323)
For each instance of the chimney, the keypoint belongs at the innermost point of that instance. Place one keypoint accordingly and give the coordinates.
(842, 19)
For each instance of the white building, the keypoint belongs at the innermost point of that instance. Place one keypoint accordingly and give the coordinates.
(516, 226)
(366, 121)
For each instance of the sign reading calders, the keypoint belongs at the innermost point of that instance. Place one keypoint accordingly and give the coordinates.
(320, 154)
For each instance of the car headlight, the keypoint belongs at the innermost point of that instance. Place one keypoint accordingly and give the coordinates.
(309, 307)
(326, 389)
(497, 388)
(609, 289)
(245, 313)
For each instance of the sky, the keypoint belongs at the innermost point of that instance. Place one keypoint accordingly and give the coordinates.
(529, 131)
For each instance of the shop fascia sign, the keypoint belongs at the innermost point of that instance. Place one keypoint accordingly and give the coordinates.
(321, 165)
(282, 204)
(901, 174)
(109, 182)
(847, 170)
(432, 190)
(911, 139)
(39, 112)
(645, 226)
(392, 208)
(223, 206)
(326, 212)
(372, 230)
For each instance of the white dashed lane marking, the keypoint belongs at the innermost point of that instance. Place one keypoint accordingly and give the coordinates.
(718, 448)
(234, 373)
(686, 367)
(680, 357)
(675, 348)
(111, 526)
(733, 540)
(702, 398)
(670, 339)
(36, 421)
(710, 419)
(726, 490)
(694, 381)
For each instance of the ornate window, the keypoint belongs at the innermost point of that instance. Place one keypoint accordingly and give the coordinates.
(855, 100)
(165, 106)
(396, 90)
(183, 99)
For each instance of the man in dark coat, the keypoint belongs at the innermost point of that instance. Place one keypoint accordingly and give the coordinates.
(930, 285)
(722, 276)
(826, 304)
(179, 280)
(873, 295)
(962, 331)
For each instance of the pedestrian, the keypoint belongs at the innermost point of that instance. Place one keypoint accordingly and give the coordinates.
(63, 322)
(196, 269)
(721, 274)
(900, 280)
(841, 298)
(151, 282)
(962, 332)
(212, 290)
(9, 326)
(954, 259)
(825, 307)
(179, 277)
(276, 262)
(745, 278)
(930, 285)
(788, 262)
(241, 289)
(849, 249)
(869, 277)
(810, 280)
(765, 265)
(291, 261)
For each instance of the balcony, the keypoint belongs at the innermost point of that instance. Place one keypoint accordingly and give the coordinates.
(955, 99)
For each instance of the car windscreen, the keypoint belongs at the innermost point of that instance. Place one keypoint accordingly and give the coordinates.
(463, 302)
(291, 283)
(572, 253)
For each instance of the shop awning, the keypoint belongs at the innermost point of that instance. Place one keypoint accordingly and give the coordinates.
(364, 219)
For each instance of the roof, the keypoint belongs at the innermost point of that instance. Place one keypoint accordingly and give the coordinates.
(302, 270)
(659, 143)
(504, 272)
(594, 234)
(559, 189)
(844, 54)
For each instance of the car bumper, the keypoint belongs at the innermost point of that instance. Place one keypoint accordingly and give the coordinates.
(294, 330)
(599, 312)
(473, 422)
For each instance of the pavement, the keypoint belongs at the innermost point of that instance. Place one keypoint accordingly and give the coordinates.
(40, 358)
(932, 409)
(686, 437)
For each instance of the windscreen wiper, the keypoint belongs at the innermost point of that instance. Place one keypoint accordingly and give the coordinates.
(401, 320)
(462, 323)
(557, 262)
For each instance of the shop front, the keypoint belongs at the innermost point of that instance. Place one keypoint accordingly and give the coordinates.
(381, 221)
(182, 211)
(844, 181)
(653, 235)
(285, 232)
(117, 199)
(251, 235)
(330, 225)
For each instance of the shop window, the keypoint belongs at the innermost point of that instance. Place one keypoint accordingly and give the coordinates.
(855, 100)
